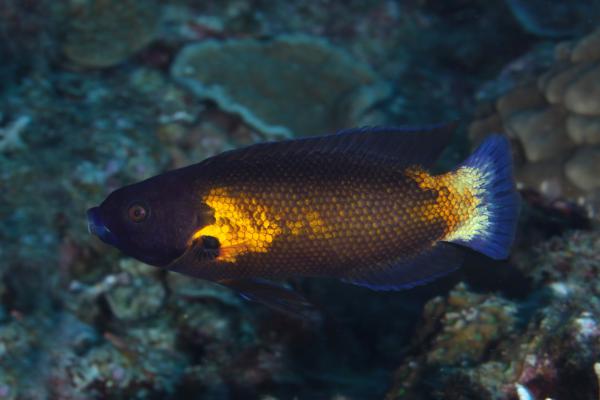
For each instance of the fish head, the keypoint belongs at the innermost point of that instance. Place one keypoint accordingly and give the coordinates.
(151, 221)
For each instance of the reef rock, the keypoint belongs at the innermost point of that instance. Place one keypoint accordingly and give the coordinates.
(541, 132)
(470, 325)
(139, 296)
(483, 346)
(587, 48)
(582, 95)
(102, 33)
(582, 129)
(583, 169)
(292, 85)
(553, 120)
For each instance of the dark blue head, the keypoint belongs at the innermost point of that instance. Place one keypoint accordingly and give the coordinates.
(151, 220)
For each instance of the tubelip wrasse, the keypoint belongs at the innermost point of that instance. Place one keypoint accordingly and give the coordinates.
(359, 206)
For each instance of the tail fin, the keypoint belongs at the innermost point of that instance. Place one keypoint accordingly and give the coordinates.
(498, 206)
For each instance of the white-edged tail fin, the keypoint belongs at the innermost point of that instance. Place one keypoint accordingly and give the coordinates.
(498, 202)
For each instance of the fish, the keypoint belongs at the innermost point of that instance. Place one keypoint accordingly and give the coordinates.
(361, 206)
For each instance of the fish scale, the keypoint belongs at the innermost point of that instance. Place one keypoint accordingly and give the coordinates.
(326, 217)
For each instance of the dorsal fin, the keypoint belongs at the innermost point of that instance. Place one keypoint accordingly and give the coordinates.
(403, 145)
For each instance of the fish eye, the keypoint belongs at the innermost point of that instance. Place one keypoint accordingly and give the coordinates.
(137, 212)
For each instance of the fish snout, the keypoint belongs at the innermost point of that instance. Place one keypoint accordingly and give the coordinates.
(97, 227)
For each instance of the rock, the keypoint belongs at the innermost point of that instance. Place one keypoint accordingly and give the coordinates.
(583, 94)
(557, 84)
(541, 132)
(583, 169)
(582, 129)
(293, 85)
(563, 51)
(103, 33)
(141, 300)
(521, 97)
(141, 297)
(569, 259)
(544, 77)
(470, 324)
(123, 367)
(481, 128)
(587, 49)
(548, 178)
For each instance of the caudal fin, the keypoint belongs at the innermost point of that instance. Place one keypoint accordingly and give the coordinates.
(497, 210)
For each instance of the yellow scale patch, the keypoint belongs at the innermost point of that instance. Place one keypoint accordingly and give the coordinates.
(457, 202)
(244, 225)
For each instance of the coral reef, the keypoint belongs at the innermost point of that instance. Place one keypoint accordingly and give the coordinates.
(470, 324)
(93, 98)
(545, 344)
(553, 121)
(29, 32)
(291, 85)
(102, 33)
(138, 295)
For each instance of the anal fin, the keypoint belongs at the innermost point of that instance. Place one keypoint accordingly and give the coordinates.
(423, 268)
(275, 296)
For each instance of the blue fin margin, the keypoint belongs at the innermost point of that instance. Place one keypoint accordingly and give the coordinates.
(499, 198)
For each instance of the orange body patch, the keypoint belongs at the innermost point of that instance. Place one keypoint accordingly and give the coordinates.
(246, 224)
(456, 203)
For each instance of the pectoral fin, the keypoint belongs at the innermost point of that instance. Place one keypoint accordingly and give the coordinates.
(274, 296)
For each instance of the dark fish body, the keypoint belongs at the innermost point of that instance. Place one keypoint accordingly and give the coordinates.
(313, 215)
(358, 206)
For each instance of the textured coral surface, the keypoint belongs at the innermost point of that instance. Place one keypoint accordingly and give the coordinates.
(547, 342)
(245, 77)
(554, 121)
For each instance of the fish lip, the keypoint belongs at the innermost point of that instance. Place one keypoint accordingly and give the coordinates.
(97, 227)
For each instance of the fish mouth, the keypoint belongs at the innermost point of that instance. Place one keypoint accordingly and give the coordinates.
(98, 228)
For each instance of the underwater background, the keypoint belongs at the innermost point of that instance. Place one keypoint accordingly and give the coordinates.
(96, 94)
